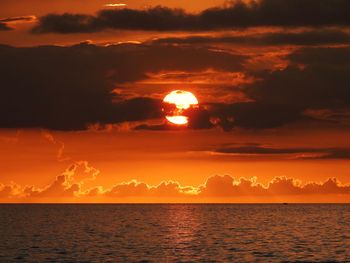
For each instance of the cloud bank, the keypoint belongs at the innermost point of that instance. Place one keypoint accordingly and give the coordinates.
(69, 88)
(72, 87)
(70, 186)
(238, 14)
(303, 38)
(4, 22)
(290, 153)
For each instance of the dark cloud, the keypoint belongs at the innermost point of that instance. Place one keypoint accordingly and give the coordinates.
(67, 23)
(247, 115)
(295, 153)
(263, 150)
(304, 38)
(67, 88)
(198, 118)
(237, 14)
(4, 27)
(4, 21)
(316, 78)
(17, 19)
(254, 115)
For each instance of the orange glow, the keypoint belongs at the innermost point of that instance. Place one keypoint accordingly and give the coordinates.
(179, 120)
(182, 100)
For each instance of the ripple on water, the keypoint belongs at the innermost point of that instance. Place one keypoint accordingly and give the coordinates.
(174, 233)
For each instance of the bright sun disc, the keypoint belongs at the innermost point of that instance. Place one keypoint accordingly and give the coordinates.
(183, 100)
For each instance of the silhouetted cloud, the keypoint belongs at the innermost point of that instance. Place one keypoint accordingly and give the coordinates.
(216, 186)
(292, 153)
(5, 21)
(198, 118)
(68, 88)
(17, 19)
(255, 115)
(4, 27)
(238, 14)
(304, 38)
(316, 78)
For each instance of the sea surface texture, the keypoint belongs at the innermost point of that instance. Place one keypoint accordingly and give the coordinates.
(175, 233)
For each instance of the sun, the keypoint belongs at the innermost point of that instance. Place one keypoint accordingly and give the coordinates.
(176, 104)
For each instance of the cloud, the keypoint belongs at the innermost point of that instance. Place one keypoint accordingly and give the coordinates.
(224, 186)
(59, 188)
(141, 189)
(69, 88)
(227, 186)
(254, 115)
(198, 118)
(60, 153)
(316, 78)
(312, 89)
(68, 184)
(11, 190)
(4, 27)
(78, 85)
(303, 38)
(216, 186)
(238, 14)
(17, 19)
(290, 153)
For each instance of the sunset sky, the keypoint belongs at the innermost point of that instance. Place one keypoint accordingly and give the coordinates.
(82, 115)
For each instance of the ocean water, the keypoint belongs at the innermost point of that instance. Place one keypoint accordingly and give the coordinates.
(175, 233)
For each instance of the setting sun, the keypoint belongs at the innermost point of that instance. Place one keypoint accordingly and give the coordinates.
(182, 100)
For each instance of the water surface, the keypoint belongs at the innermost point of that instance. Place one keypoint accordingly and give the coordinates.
(174, 233)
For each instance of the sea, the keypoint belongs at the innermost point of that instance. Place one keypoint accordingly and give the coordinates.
(174, 233)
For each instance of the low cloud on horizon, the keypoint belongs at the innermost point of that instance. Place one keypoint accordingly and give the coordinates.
(70, 186)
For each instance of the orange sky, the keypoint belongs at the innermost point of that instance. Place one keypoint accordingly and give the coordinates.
(36, 157)
(81, 115)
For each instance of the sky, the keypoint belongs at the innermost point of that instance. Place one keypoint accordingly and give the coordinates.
(82, 117)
